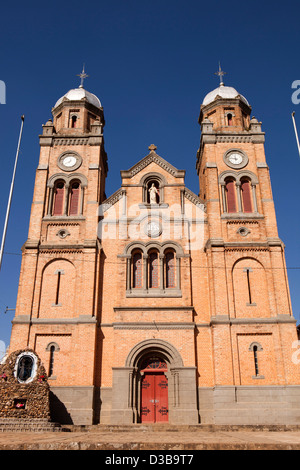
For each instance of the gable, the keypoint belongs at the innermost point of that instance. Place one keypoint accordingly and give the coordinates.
(147, 160)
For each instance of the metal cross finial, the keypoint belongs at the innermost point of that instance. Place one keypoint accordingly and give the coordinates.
(82, 75)
(220, 73)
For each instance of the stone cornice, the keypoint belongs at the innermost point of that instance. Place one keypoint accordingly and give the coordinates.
(26, 319)
(262, 245)
(224, 319)
(153, 326)
(140, 309)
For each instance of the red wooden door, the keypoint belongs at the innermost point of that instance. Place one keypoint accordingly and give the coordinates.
(154, 398)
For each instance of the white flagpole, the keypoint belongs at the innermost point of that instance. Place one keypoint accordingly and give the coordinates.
(296, 133)
(10, 194)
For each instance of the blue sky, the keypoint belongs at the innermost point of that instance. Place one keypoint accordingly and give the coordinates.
(150, 64)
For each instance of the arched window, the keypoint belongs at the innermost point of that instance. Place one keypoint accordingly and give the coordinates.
(137, 270)
(246, 195)
(73, 121)
(255, 360)
(74, 198)
(59, 194)
(153, 270)
(230, 195)
(170, 269)
(229, 119)
(51, 360)
(52, 348)
(255, 347)
(239, 192)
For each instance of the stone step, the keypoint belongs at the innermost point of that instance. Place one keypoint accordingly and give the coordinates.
(141, 428)
(32, 425)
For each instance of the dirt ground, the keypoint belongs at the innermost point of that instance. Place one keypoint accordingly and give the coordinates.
(151, 440)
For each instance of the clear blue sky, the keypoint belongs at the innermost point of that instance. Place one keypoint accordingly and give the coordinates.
(150, 63)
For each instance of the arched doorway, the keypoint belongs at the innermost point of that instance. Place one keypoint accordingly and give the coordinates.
(158, 358)
(154, 390)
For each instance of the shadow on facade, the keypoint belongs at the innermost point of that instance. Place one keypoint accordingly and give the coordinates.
(58, 411)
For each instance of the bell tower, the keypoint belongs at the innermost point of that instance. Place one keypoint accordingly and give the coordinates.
(57, 303)
(248, 281)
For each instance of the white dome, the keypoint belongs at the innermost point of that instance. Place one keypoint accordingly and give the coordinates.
(78, 94)
(223, 92)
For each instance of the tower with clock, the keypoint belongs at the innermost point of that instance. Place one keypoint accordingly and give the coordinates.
(156, 304)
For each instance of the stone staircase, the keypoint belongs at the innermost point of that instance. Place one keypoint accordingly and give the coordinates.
(30, 425)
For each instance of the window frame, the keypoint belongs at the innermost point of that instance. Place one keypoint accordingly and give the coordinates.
(160, 289)
(238, 178)
(68, 181)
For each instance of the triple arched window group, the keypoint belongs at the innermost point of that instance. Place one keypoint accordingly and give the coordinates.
(239, 192)
(66, 196)
(153, 271)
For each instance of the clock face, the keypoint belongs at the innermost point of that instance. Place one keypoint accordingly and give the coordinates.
(69, 161)
(235, 158)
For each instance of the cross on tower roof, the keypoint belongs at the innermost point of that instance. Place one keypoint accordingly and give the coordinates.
(220, 73)
(82, 75)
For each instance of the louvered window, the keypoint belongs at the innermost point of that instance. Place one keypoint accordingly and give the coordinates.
(230, 196)
(59, 193)
(246, 196)
(74, 198)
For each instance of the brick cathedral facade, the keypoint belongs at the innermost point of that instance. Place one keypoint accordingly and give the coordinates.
(156, 304)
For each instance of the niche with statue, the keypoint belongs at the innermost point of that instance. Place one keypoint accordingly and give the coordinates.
(24, 388)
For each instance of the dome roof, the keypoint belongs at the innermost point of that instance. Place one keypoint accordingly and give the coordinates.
(225, 92)
(78, 94)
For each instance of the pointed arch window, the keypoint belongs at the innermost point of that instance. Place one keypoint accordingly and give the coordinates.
(59, 195)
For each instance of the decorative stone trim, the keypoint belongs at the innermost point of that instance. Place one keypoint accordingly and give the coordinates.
(67, 141)
(171, 292)
(193, 198)
(115, 197)
(233, 138)
(153, 326)
(153, 157)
